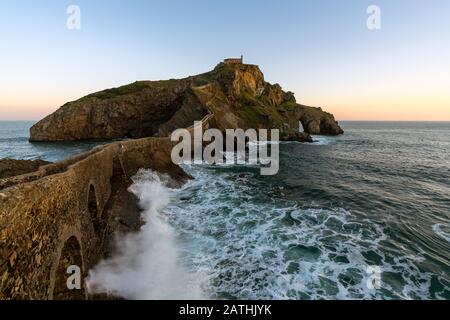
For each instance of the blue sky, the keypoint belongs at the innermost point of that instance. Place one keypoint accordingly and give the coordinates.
(321, 50)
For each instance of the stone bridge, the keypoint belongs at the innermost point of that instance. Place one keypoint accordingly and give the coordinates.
(60, 215)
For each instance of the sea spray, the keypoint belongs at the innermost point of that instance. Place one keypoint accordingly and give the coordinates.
(252, 242)
(439, 230)
(146, 263)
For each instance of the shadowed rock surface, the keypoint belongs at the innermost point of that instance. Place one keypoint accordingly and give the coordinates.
(299, 137)
(237, 95)
(11, 167)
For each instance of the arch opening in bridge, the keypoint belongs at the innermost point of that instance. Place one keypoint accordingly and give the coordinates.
(70, 267)
(93, 208)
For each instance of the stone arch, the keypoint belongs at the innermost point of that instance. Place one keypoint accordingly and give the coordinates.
(71, 255)
(301, 127)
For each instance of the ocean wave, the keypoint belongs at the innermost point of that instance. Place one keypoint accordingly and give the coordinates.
(438, 230)
(322, 140)
(317, 141)
(146, 264)
(14, 140)
(253, 246)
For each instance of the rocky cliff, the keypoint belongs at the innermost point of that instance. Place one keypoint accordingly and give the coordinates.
(237, 95)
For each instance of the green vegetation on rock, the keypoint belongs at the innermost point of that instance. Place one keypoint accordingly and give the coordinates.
(237, 95)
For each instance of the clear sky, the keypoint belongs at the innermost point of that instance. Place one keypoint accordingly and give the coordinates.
(321, 50)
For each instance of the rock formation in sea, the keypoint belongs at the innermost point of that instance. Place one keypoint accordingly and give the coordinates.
(236, 94)
(54, 216)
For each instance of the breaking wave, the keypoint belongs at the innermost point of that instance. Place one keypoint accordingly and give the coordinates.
(146, 264)
(439, 230)
(322, 140)
(332, 219)
(254, 249)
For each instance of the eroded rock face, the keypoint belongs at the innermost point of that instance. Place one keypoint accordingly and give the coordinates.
(11, 167)
(237, 95)
(134, 111)
(261, 105)
(299, 137)
(320, 122)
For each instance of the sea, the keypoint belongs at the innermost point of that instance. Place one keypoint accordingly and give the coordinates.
(365, 215)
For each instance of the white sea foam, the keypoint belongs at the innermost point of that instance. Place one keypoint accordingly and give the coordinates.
(250, 245)
(317, 141)
(253, 246)
(322, 140)
(231, 159)
(262, 143)
(437, 228)
(146, 264)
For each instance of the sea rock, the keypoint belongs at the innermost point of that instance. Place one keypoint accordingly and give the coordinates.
(11, 167)
(133, 111)
(298, 137)
(237, 95)
(322, 123)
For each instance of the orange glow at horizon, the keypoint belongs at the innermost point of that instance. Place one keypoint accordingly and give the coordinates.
(419, 109)
(405, 98)
(34, 106)
(401, 99)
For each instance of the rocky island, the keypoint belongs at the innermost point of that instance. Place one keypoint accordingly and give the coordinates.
(53, 215)
(235, 93)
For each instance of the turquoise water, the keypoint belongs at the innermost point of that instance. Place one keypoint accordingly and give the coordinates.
(376, 198)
